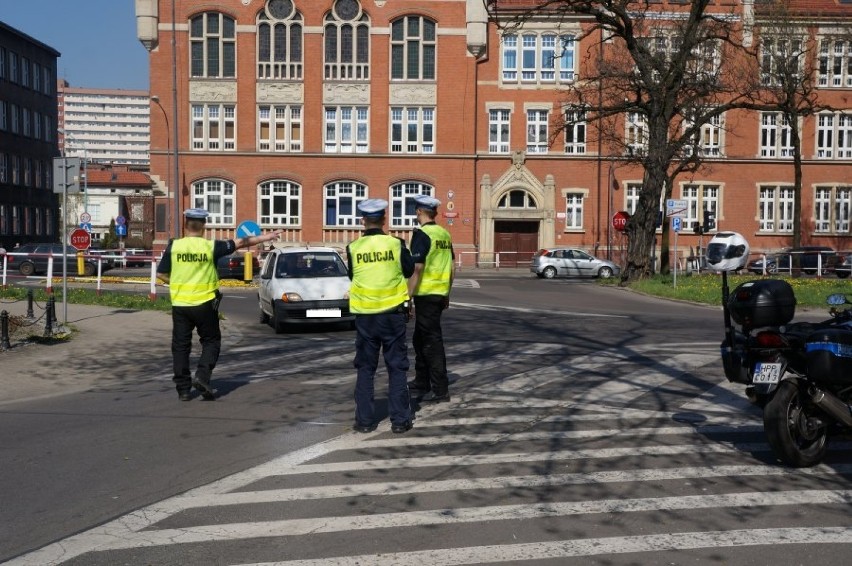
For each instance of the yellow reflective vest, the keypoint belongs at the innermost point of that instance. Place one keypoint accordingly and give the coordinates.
(193, 279)
(435, 277)
(378, 284)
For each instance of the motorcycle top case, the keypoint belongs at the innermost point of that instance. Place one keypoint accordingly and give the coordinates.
(829, 354)
(764, 302)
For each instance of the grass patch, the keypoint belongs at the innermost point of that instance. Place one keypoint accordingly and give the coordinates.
(133, 301)
(707, 288)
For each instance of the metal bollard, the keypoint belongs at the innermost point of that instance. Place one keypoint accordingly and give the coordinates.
(30, 304)
(4, 331)
(50, 318)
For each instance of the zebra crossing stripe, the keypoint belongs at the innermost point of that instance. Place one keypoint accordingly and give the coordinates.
(114, 540)
(523, 457)
(517, 553)
(557, 435)
(499, 482)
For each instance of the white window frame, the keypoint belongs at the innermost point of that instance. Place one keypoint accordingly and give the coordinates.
(776, 135)
(279, 128)
(835, 63)
(832, 207)
(210, 125)
(347, 129)
(834, 135)
(710, 137)
(538, 57)
(509, 57)
(282, 58)
(499, 130)
(343, 194)
(775, 49)
(574, 210)
(636, 133)
(402, 205)
(700, 197)
(218, 197)
(412, 129)
(575, 133)
(775, 209)
(279, 203)
(538, 127)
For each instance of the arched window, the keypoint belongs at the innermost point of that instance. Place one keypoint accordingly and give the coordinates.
(347, 42)
(341, 202)
(213, 45)
(413, 44)
(279, 41)
(217, 197)
(402, 202)
(280, 203)
(517, 198)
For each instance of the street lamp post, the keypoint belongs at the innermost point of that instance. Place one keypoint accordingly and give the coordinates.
(175, 121)
(169, 182)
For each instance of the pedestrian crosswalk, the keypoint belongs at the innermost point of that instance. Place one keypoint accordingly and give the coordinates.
(505, 474)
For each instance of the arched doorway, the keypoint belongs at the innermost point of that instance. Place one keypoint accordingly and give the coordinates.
(517, 215)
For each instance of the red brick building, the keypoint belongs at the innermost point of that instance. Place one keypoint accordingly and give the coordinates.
(291, 111)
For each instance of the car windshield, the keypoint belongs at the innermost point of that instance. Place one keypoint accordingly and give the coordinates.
(310, 264)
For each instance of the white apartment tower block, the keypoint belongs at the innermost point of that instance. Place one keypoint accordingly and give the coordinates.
(104, 125)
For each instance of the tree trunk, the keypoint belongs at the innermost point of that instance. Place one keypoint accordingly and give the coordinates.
(797, 180)
(641, 228)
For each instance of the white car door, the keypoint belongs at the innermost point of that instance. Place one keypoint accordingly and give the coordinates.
(264, 289)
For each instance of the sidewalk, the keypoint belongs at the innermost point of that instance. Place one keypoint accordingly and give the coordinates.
(98, 347)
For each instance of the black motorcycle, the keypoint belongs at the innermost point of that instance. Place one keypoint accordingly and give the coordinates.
(799, 373)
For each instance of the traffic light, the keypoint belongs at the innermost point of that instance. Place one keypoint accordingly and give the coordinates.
(696, 228)
(709, 220)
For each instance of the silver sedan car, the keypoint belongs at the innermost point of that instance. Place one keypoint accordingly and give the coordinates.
(571, 262)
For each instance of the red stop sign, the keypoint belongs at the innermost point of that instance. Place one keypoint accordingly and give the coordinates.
(619, 220)
(80, 240)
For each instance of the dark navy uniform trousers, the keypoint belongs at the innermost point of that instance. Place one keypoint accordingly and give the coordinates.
(385, 332)
(205, 319)
(430, 360)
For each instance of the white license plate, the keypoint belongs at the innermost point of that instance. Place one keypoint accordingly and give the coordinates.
(766, 373)
(323, 313)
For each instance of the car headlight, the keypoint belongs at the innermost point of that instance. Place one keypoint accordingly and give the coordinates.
(291, 297)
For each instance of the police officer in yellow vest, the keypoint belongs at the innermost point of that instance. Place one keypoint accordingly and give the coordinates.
(378, 266)
(188, 265)
(432, 250)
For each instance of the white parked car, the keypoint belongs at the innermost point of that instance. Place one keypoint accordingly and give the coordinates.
(303, 285)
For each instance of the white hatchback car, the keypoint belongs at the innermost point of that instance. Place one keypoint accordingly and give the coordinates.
(303, 285)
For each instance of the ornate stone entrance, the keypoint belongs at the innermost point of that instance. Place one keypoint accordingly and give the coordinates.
(516, 202)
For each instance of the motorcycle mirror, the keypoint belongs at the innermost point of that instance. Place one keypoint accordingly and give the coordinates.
(837, 299)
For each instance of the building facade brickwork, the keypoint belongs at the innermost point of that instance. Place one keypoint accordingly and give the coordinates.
(289, 112)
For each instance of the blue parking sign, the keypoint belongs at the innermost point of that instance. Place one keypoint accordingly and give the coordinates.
(677, 223)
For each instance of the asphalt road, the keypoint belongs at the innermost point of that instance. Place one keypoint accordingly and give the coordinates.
(588, 425)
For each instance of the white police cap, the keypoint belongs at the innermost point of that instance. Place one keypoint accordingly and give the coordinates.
(425, 201)
(196, 213)
(373, 207)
